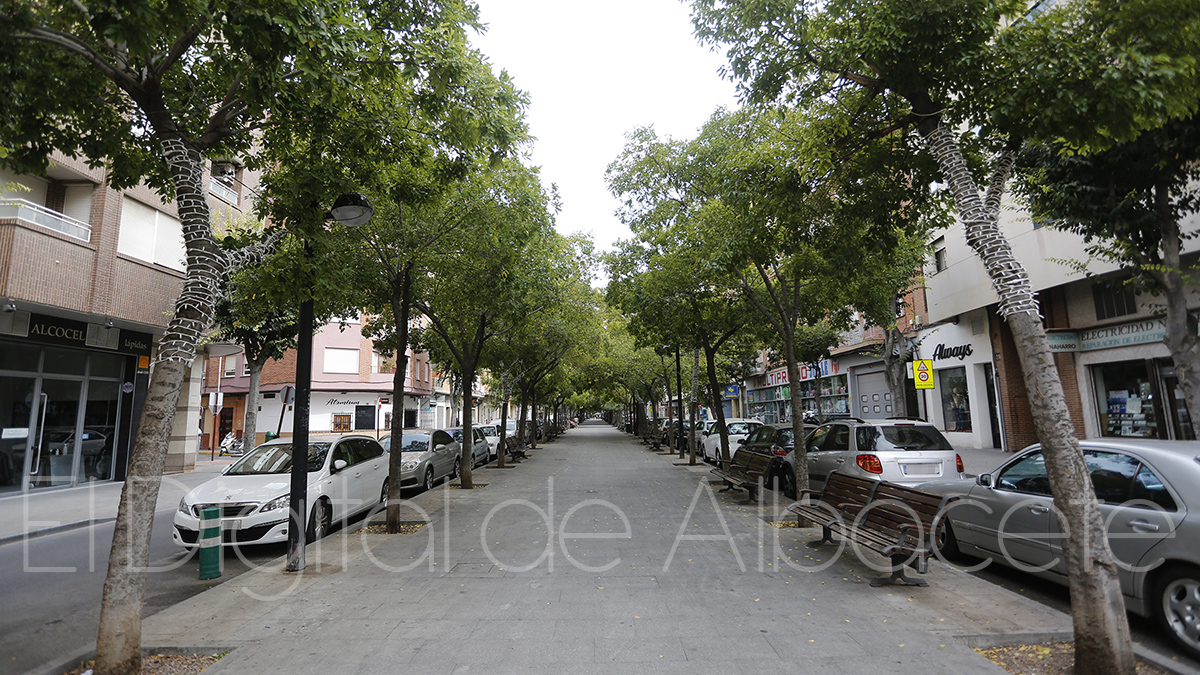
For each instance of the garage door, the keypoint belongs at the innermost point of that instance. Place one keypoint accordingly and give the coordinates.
(874, 401)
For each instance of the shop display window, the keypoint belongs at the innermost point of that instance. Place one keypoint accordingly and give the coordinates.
(1125, 396)
(956, 401)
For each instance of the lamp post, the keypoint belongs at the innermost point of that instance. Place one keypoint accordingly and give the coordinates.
(351, 209)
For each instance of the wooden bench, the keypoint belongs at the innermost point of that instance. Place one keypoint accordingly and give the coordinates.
(895, 521)
(747, 470)
(514, 448)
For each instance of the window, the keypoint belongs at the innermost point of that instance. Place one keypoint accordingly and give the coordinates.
(939, 254)
(387, 421)
(1125, 397)
(150, 235)
(246, 368)
(1112, 475)
(1113, 302)
(230, 366)
(339, 360)
(382, 364)
(1028, 475)
(1149, 487)
(956, 402)
(341, 422)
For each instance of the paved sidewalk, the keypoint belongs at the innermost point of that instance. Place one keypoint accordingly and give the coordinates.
(595, 556)
(51, 510)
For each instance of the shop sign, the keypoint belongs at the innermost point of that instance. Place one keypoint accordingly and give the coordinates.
(56, 330)
(960, 352)
(1148, 331)
(730, 392)
(1063, 341)
(807, 371)
(1136, 333)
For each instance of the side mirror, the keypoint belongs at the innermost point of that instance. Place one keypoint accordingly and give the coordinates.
(741, 441)
(339, 464)
(439, 447)
(984, 479)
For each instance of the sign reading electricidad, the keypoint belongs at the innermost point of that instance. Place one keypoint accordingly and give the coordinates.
(923, 373)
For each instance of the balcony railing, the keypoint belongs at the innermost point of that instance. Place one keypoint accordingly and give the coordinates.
(48, 218)
(222, 190)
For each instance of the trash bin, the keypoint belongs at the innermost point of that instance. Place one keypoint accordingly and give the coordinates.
(270, 436)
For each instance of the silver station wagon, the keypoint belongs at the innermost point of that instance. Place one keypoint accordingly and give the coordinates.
(1149, 493)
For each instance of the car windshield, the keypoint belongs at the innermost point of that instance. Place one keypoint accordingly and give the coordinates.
(415, 443)
(740, 428)
(267, 459)
(489, 430)
(900, 437)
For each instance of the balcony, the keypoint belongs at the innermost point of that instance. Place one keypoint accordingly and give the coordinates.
(222, 190)
(39, 215)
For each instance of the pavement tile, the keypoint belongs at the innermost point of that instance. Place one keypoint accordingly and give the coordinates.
(638, 649)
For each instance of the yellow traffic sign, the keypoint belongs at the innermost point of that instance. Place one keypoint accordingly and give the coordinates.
(923, 373)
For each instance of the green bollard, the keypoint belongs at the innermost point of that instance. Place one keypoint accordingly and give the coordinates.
(211, 560)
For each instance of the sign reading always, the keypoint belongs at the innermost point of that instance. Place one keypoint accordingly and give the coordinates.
(959, 352)
(923, 373)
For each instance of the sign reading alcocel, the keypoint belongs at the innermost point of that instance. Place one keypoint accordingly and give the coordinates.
(56, 330)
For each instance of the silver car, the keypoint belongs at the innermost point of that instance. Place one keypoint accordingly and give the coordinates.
(710, 440)
(907, 452)
(429, 456)
(1149, 492)
(480, 452)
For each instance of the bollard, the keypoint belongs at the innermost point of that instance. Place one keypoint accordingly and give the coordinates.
(211, 560)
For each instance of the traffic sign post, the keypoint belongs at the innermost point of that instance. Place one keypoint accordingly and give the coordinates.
(923, 373)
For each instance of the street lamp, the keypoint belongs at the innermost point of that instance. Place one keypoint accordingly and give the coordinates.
(351, 209)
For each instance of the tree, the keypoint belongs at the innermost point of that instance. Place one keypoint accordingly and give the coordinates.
(265, 331)
(465, 305)
(148, 91)
(1131, 203)
(958, 76)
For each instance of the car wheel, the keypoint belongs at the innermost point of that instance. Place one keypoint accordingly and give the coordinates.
(318, 524)
(947, 543)
(457, 468)
(1176, 603)
(383, 495)
(428, 479)
(787, 481)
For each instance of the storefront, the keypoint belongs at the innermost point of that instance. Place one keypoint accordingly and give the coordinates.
(1128, 381)
(963, 402)
(71, 393)
(824, 390)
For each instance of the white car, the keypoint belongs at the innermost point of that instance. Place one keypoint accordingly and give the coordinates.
(739, 429)
(346, 475)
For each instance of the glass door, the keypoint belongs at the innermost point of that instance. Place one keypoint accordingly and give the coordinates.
(56, 434)
(16, 417)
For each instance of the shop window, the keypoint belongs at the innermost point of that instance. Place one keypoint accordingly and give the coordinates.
(956, 402)
(1112, 301)
(1125, 397)
(341, 422)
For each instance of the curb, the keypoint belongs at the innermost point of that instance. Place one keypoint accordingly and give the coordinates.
(88, 653)
(65, 527)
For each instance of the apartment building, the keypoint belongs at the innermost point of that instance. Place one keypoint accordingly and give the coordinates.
(352, 384)
(1108, 343)
(88, 278)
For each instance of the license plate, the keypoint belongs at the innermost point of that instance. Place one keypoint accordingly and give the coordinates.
(233, 524)
(920, 469)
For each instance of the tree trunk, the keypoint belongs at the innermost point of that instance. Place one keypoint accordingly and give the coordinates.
(894, 357)
(502, 444)
(118, 642)
(801, 452)
(521, 416)
(710, 362)
(401, 313)
(250, 425)
(1102, 642)
(1181, 329)
(692, 401)
(670, 413)
(468, 442)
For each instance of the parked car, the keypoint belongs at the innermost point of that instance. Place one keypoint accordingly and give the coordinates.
(429, 456)
(905, 451)
(480, 454)
(777, 441)
(1149, 493)
(491, 432)
(346, 475)
(739, 429)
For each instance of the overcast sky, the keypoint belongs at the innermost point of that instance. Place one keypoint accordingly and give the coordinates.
(594, 72)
